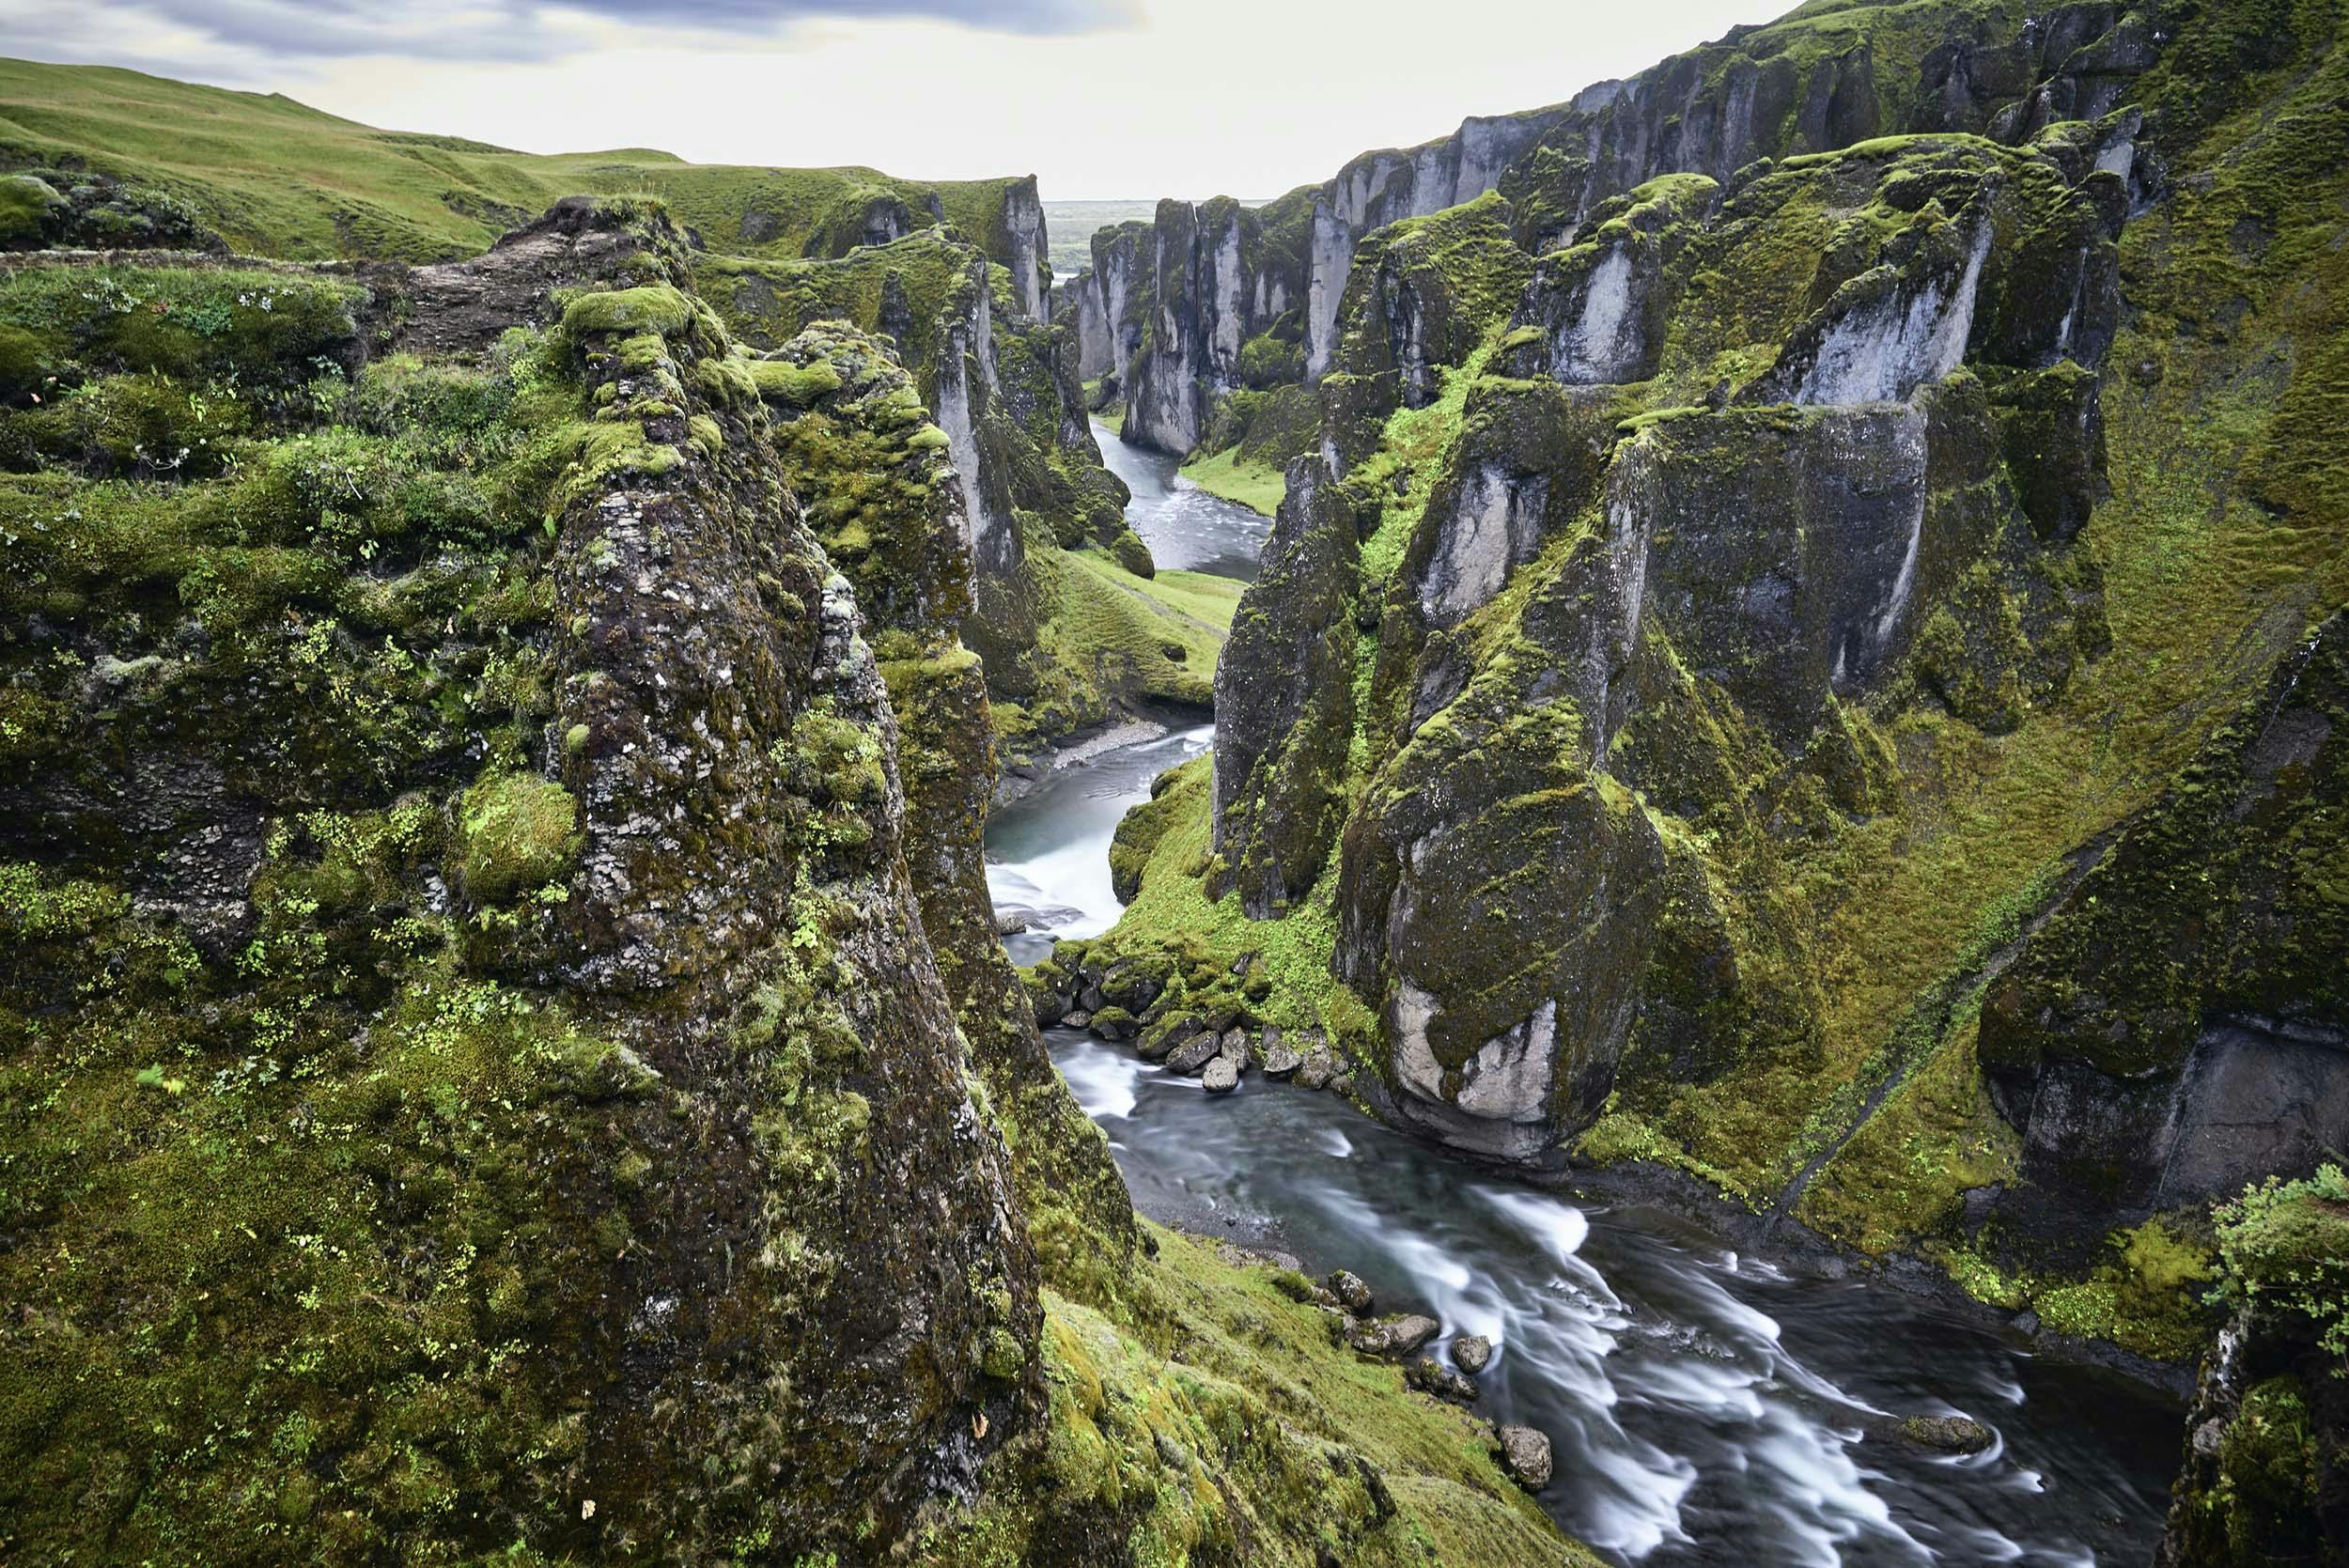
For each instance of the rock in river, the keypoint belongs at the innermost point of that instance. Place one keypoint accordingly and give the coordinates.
(1525, 1454)
(1432, 1376)
(1397, 1335)
(1220, 1078)
(1471, 1353)
(1192, 1055)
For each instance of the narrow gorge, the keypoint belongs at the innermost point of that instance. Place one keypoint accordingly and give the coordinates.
(1621, 840)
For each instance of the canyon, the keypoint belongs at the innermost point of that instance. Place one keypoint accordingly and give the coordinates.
(672, 892)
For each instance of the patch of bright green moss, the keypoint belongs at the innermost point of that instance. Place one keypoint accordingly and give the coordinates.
(515, 832)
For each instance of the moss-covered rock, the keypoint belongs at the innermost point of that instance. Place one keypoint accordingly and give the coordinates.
(508, 1080)
(1284, 704)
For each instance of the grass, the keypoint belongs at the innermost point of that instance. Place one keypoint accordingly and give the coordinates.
(1251, 484)
(277, 178)
(1213, 1362)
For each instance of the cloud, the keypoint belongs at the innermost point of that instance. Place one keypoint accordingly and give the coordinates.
(501, 30)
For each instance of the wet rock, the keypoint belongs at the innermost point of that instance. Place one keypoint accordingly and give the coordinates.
(1163, 1034)
(1280, 1061)
(1077, 1017)
(1397, 1334)
(1192, 1054)
(1220, 1078)
(1944, 1433)
(1525, 1454)
(1472, 1353)
(1430, 1376)
(1319, 1068)
(1235, 1049)
(1352, 1292)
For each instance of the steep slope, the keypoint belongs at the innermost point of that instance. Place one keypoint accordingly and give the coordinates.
(475, 1060)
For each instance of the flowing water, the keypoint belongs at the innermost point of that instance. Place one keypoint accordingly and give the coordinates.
(1188, 529)
(1705, 1407)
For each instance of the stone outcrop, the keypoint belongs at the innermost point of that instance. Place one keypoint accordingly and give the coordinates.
(1285, 703)
(1213, 297)
(512, 896)
(1012, 411)
(1779, 561)
(2178, 1026)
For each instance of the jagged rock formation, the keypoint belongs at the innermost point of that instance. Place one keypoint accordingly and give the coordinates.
(1822, 79)
(1851, 708)
(1213, 297)
(889, 508)
(1284, 694)
(1716, 590)
(510, 1060)
(1013, 415)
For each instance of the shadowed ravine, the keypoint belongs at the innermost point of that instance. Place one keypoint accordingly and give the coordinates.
(1708, 1408)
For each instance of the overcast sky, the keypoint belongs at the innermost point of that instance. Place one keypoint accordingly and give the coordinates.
(1100, 97)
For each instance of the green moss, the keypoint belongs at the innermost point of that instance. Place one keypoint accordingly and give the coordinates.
(1266, 1430)
(2285, 1246)
(1256, 488)
(796, 385)
(515, 832)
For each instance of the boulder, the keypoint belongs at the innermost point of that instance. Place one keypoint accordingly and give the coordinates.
(1430, 1376)
(1220, 1078)
(1946, 1433)
(1397, 1334)
(1280, 1059)
(1163, 1034)
(1471, 1353)
(1525, 1454)
(1235, 1049)
(1192, 1054)
(1352, 1293)
(1318, 1068)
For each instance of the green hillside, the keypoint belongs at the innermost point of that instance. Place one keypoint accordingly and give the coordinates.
(278, 178)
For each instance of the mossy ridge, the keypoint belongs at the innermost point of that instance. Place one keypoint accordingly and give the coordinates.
(931, 298)
(427, 1163)
(1972, 792)
(874, 478)
(279, 178)
(1213, 1417)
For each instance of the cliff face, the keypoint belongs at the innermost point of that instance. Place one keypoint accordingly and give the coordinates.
(1822, 79)
(473, 993)
(1012, 411)
(1840, 708)
(506, 1049)
(1214, 297)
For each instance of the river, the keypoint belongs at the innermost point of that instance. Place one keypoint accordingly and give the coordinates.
(1705, 1407)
